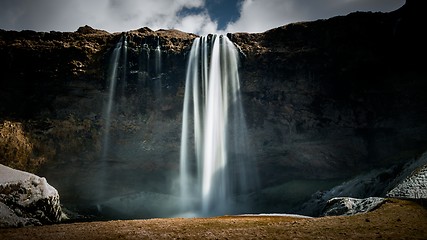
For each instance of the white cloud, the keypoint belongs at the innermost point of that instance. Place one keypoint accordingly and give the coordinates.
(200, 23)
(258, 16)
(154, 14)
(124, 15)
(110, 15)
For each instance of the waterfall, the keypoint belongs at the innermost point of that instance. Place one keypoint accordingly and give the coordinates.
(124, 66)
(120, 49)
(144, 65)
(158, 58)
(218, 166)
(158, 71)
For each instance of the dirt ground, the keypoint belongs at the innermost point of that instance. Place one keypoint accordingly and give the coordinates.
(396, 219)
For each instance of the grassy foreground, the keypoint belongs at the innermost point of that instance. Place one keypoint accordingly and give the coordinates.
(396, 219)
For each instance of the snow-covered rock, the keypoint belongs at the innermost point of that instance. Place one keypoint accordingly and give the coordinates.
(363, 186)
(26, 199)
(407, 180)
(413, 187)
(350, 206)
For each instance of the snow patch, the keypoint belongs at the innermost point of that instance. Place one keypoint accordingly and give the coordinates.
(413, 187)
(401, 181)
(26, 199)
(351, 206)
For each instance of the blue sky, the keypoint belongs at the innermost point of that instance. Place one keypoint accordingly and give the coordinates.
(223, 11)
(196, 16)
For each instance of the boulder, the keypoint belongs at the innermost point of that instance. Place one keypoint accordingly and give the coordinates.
(407, 181)
(351, 206)
(413, 187)
(27, 199)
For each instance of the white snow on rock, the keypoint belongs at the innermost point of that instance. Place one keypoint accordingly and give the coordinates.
(407, 180)
(413, 187)
(351, 206)
(26, 199)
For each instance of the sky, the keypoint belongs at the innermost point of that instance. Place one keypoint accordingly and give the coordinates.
(195, 16)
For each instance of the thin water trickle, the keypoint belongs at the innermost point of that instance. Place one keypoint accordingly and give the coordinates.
(118, 63)
(158, 58)
(120, 49)
(158, 71)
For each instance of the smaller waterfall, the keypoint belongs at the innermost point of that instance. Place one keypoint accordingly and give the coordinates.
(158, 58)
(123, 82)
(120, 49)
(145, 60)
(117, 69)
(218, 167)
(158, 71)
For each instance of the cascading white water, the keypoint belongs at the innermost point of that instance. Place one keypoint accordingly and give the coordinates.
(120, 48)
(118, 62)
(214, 169)
(158, 71)
(124, 66)
(158, 58)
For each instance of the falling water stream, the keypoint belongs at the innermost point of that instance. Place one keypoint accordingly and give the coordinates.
(116, 85)
(158, 71)
(217, 169)
(119, 51)
(215, 163)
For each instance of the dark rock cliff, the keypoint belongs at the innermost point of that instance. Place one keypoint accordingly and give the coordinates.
(324, 101)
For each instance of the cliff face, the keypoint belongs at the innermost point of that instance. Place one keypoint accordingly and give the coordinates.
(345, 92)
(324, 101)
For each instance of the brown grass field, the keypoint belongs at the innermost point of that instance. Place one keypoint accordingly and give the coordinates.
(396, 219)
